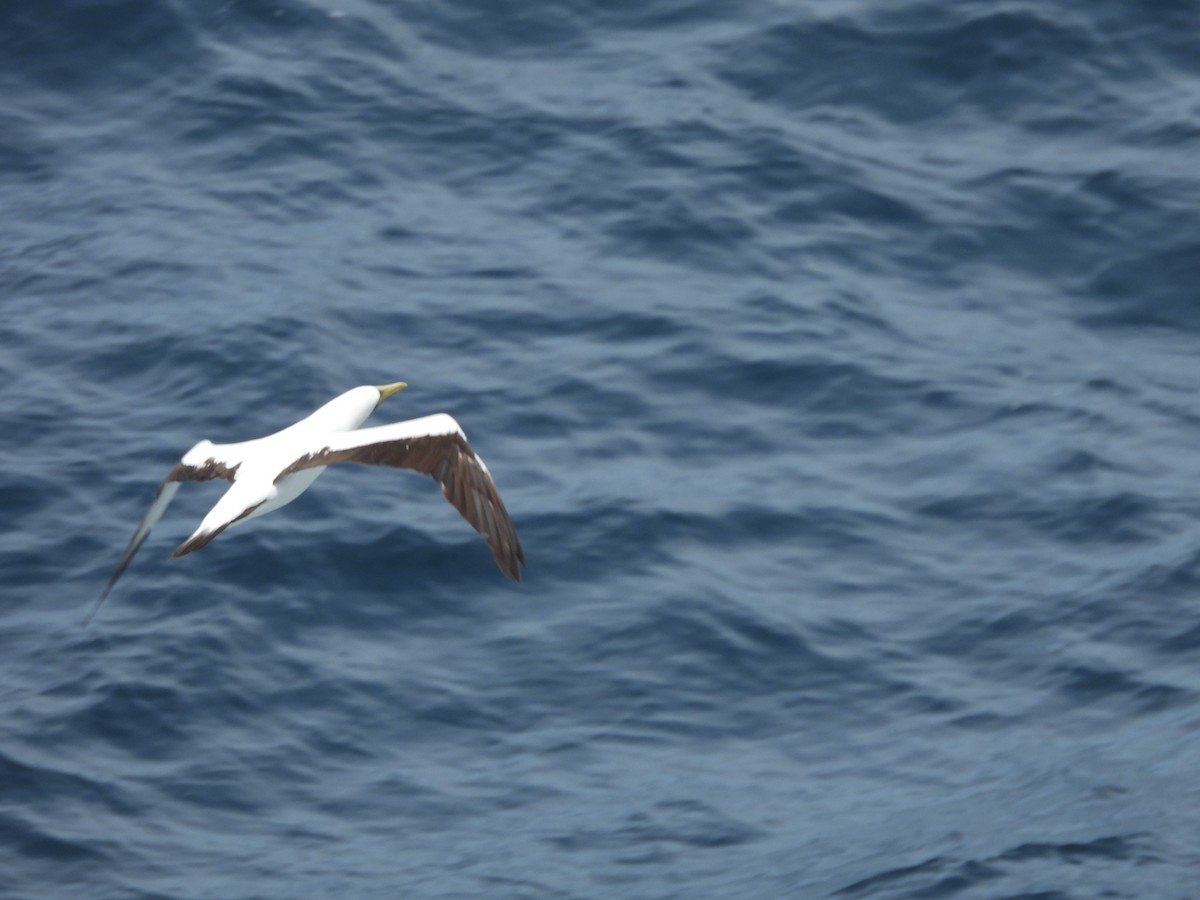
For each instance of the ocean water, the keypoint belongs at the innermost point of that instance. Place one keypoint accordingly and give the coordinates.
(838, 364)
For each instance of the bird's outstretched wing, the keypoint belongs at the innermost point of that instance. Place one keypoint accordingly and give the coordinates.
(436, 446)
(203, 462)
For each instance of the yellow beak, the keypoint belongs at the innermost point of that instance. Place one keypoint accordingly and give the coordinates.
(386, 390)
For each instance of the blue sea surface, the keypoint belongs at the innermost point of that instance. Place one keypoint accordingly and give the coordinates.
(838, 363)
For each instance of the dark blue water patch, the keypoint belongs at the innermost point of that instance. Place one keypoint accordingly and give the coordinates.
(51, 270)
(720, 673)
(1005, 871)
(1174, 579)
(979, 638)
(645, 836)
(507, 29)
(142, 716)
(1001, 59)
(24, 497)
(236, 107)
(870, 884)
(24, 154)
(1076, 463)
(152, 361)
(1085, 685)
(816, 391)
(272, 22)
(638, 334)
(666, 228)
(669, 15)
(1151, 287)
(585, 402)
(633, 537)
(1050, 230)
(1184, 642)
(34, 785)
(1090, 519)
(626, 328)
(1023, 413)
(93, 46)
(34, 845)
(777, 380)
(932, 63)
(407, 570)
(809, 52)
(213, 787)
(618, 536)
(809, 63)
(1115, 847)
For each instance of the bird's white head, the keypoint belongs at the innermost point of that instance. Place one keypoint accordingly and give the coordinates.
(349, 410)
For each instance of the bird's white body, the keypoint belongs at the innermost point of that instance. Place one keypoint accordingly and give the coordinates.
(259, 489)
(270, 472)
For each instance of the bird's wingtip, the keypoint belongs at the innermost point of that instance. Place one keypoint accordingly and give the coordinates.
(513, 569)
(196, 541)
(87, 620)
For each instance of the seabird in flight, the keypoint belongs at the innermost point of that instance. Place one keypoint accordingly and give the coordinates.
(272, 471)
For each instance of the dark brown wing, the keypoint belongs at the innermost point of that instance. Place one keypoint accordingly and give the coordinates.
(205, 471)
(451, 462)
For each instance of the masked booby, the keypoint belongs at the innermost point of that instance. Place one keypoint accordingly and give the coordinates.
(272, 471)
